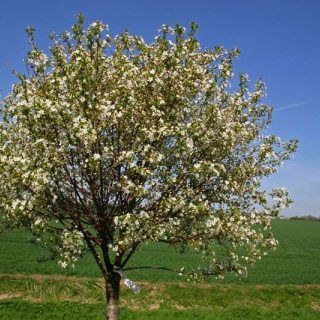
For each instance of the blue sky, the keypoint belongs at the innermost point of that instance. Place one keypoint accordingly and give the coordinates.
(279, 42)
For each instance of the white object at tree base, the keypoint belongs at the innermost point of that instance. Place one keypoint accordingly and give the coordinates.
(130, 284)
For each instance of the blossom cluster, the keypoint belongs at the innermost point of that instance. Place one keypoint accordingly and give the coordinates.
(71, 247)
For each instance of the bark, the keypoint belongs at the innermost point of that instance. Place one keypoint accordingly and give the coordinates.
(112, 282)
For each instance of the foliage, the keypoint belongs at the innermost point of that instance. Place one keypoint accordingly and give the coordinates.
(109, 142)
(308, 218)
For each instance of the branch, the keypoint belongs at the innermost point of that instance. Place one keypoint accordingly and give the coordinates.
(150, 267)
(129, 255)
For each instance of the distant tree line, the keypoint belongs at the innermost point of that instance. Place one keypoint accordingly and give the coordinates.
(308, 217)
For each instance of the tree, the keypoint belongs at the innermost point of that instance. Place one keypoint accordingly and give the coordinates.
(108, 142)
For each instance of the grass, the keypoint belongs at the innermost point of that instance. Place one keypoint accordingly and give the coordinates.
(296, 260)
(36, 297)
(284, 285)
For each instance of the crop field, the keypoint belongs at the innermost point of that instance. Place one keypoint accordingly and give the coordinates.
(283, 285)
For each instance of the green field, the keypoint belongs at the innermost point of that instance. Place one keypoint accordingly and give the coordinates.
(284, 285)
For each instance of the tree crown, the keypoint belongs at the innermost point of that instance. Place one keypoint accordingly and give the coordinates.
(108, 142)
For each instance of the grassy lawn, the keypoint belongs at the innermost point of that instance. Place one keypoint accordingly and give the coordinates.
(284, 285)
(36, 297)
(296, 260)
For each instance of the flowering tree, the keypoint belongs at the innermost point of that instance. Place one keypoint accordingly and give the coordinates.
(109, 142)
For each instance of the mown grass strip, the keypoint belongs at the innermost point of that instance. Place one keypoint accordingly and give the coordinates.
(72, 298)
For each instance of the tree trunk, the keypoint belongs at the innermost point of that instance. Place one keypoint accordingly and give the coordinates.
(112, 282)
